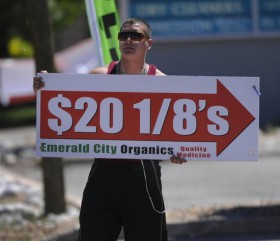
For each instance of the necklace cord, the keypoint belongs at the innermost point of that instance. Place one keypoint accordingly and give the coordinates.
(122, 70)
(147, 190)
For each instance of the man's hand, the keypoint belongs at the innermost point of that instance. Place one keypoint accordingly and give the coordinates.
(38, 83)
(177, 160)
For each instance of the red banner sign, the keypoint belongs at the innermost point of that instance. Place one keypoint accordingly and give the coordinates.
(154, 117)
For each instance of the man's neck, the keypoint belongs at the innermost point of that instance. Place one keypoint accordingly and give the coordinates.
(132, 67)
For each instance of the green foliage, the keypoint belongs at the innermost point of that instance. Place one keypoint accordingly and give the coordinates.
(66, 12)
(19, 47)
(14, 22)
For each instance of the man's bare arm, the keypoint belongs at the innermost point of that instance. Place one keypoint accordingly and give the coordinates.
(99, 70)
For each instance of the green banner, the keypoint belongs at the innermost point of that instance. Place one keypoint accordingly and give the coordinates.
(108, 25)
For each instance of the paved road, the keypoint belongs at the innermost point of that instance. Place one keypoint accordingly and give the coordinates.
(198, 183)
(195, 183)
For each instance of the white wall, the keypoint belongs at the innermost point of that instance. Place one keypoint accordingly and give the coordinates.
(16, 80)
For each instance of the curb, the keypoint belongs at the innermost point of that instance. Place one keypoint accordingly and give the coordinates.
(196, 229)
(221, 227)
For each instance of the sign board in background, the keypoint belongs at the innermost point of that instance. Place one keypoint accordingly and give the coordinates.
(204, 18)
(148, 117)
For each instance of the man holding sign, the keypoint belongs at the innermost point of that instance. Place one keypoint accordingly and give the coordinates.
(123, 193)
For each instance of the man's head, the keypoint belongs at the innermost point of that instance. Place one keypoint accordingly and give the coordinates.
(135, 38)
(146, 26)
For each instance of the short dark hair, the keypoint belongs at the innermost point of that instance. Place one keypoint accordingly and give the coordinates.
(147, 30)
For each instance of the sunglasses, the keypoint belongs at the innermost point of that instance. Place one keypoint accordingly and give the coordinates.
(134, 36)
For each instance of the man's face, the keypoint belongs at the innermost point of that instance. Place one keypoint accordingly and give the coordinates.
(133, 40)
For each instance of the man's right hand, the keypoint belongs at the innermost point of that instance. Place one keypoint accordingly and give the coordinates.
(38, 82)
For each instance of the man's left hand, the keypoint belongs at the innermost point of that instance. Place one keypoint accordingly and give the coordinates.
(177, 160)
